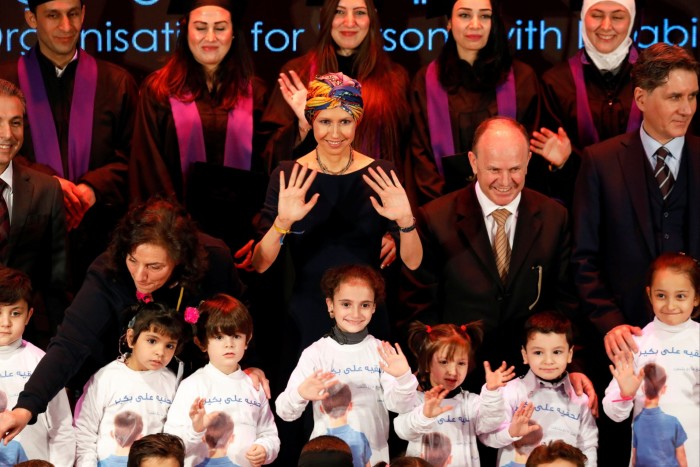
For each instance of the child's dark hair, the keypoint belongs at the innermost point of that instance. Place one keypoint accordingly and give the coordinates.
(14, 286)
(157, 318)
(219, 430)
(128, 426)
(338, 400)
(679, 263)
(556, 450)
(159, 445)
(436, 448)
(223, 314)
(548, 322)
(325, 451)
(409, 461)
(654, 380)
(425, 340)
(333, 277)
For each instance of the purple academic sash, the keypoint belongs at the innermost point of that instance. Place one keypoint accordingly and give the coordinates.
(238, 149)
(439, 124)
(587, 132)
(46, 148)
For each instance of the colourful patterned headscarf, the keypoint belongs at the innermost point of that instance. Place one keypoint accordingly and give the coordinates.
(334, 90)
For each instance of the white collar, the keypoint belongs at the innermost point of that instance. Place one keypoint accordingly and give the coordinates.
(7, 175)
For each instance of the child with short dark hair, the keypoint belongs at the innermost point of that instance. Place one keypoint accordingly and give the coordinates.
(224, 329)
(548, 349)
(663, 426)
(52, 436)
(556, 451)
(138, 382)
(325, 451)
(157, 450)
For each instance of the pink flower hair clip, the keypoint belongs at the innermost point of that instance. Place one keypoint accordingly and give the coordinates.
(191, 315)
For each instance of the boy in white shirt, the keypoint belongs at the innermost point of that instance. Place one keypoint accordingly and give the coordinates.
(51, 437)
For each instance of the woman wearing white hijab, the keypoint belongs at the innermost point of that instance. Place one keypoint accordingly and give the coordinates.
(590, 97)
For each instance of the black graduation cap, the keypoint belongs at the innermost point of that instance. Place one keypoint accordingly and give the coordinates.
(183, 7)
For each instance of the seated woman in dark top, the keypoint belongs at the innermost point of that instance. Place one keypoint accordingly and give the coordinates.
(324, 206)
(474, 78)
(156, 254)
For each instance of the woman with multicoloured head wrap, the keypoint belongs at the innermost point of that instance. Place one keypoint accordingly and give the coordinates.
(334, 90)
(350, 41)
(329, 208)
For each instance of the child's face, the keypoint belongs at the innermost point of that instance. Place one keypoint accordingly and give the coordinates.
(159, 462)
(151, 351)
(547, 354)
(352, 306)
(672, 296)
(13, 319)
(449, 372)
(226, 351)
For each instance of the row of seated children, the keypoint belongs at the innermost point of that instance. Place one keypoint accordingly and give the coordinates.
(352, 379)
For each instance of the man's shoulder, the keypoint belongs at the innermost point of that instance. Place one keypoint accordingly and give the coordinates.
(543, 203)
(113, 73)
(450, 201)
(38, 178)
(616, 143)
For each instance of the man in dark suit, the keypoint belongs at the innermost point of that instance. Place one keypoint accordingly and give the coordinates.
(638, 195)
(461, 278)
(32, 220)
(80, 113)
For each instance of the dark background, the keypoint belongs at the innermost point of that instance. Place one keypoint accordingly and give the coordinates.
(110, 22)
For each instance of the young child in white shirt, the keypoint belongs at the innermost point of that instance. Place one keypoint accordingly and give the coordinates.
(377, 374)
(444, 353)
(157, 450)
(138, 382)
(561, 414)
(52, 437)
(224, 329)
(660, 384)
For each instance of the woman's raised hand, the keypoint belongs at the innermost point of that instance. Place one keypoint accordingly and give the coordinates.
(292, 205)
(394, 202)
(294, 92)
(554, 147)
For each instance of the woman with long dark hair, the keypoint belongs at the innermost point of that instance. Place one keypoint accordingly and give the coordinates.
(474, 78)
(350, 42)
(202, 106)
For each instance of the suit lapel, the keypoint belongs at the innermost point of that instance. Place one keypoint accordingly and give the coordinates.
(22, 194)
(527, 229)
(471, 225)
(692, 152)
(632, 158)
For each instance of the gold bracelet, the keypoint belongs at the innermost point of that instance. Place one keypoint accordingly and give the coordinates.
(280, 230)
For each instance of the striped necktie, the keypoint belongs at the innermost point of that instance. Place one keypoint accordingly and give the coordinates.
(501, 246)
(662, 172)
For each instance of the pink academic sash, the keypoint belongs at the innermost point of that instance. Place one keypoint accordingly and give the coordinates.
(587, 132)
(439, 123)
(46, 147)
(238, 149)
